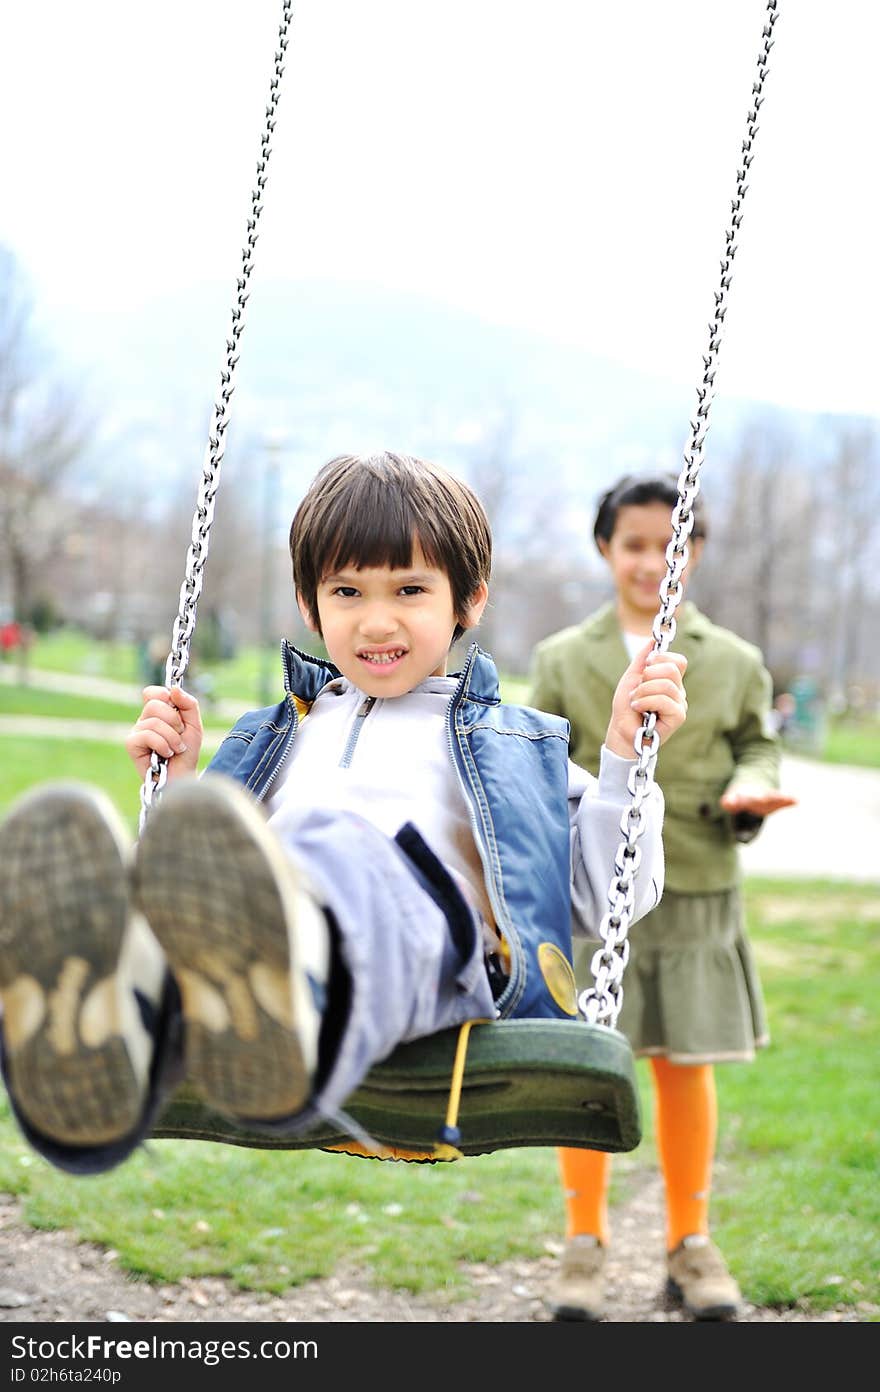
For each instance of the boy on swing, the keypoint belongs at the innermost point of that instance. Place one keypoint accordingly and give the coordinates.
(388, 852)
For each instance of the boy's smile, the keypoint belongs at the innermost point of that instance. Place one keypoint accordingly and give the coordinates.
(388, 629)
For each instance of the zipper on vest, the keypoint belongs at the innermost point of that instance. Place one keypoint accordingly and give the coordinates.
(507, 1000)
(354, 734)
(294, 725)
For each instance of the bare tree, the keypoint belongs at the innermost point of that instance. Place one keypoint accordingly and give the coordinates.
(536, 587)
(759, 575)
(851, 550)
(42, 434)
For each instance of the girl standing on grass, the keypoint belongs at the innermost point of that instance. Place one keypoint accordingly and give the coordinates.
(691, 993)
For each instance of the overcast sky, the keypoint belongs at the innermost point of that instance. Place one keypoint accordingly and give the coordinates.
(566, 166)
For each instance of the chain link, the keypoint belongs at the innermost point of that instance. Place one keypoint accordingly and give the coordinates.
(601, 1002)
(184, 625)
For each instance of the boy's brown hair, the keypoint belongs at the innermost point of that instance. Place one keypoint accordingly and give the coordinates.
(368, 510)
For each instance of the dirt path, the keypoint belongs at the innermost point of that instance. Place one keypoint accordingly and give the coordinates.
(51, 1277)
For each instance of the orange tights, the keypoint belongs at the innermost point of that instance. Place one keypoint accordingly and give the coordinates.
(686, 1123)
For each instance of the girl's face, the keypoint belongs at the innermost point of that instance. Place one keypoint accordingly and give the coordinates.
(636, 556)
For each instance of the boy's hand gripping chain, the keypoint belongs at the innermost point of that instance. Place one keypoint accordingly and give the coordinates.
(184, 625)
(601, 1003)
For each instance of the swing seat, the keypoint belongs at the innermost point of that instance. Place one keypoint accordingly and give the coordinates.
(526, 1083)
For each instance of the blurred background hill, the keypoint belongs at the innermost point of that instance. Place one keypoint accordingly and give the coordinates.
(106, 418)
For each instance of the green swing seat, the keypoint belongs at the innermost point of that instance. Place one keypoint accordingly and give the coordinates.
(526, 1083)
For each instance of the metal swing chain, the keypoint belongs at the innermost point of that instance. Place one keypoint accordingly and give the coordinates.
(197, 554)
(601, 1003)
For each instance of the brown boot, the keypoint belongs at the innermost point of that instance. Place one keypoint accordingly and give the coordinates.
(579, 1290)
(699, 1278)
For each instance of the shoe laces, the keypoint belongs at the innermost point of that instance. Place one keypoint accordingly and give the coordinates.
(701, 1256)
(584, 1255)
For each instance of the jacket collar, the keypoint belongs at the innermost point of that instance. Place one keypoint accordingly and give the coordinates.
(691, 623)
(305, 675)
(478, 678)
(606, 650)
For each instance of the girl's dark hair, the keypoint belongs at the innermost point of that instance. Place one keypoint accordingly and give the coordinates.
(635, 490)
(369, 510)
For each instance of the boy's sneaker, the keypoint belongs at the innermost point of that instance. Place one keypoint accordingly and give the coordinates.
(699, 1279)
(579, 1293)
(247, 942)
(77, 1052)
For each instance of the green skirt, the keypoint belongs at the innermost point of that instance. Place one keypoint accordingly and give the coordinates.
(690, 989)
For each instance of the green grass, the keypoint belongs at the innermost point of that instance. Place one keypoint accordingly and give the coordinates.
(269, 1220)
(31, 700)
(26, 761)
(854, 742)
(514, 689)
(67, 650)
(796, 1202)
(62, 705)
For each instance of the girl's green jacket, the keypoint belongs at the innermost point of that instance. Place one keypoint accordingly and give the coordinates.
(725, 742)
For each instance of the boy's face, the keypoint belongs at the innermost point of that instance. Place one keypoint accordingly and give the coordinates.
(387, 630)
(636, 555)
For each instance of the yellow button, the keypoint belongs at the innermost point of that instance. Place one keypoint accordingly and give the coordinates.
(556, 971)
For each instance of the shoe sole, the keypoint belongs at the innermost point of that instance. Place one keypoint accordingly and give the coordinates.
(570, 1314)
(218, 895)
(64, 903)
(721, 1311)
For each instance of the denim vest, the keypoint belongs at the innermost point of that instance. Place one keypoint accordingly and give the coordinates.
(512, 763)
